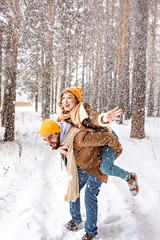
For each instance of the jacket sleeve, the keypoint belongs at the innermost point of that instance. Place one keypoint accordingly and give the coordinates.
(97, 139)
(92, 114)
(95, 119)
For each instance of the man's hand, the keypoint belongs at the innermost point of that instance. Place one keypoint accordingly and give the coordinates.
(112, 115)
(62, 151)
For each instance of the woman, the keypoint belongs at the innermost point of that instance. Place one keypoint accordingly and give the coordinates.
(84, 117)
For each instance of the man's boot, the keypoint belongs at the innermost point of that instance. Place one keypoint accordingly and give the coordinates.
(87, 236)
(72, 226)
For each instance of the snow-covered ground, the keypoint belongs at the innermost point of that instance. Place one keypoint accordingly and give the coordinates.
(33, 183)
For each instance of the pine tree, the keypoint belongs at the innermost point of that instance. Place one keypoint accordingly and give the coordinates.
(1, 37)
(151, 98)
(123, 76)
(139, 82)
(48, 59)
(11, 69)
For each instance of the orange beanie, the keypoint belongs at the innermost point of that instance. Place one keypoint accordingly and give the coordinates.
(49, 126)
(76, 91)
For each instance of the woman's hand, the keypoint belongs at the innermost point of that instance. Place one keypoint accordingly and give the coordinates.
(62, 151)
(112, 115)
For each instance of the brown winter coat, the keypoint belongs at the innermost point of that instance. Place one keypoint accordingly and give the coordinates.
(88, 145)
(87, 148)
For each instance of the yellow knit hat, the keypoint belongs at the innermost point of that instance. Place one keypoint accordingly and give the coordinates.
(76, 91)
(49, 126)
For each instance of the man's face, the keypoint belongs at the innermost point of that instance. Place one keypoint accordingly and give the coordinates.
(53, 139)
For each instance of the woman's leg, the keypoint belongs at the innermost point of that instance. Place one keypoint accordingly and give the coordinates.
(107, 163)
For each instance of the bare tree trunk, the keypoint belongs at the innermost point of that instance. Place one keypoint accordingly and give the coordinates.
(48, 59)
(63, 84)
(84, 62)
(93, 72)
(6, 60)
(69, 61)
(36, 93)
(100, 87)
(123, 59)
(89, 64)
(95, 56)
(52, 89)
(42, 78)
(64, 75)
(4, 106)
(158, 102)
(106, 49)
(95, 99)
(151, 104)
(77, 65)
(36, 100)
(1, 39)
(89, 81)
(36, 84)
(11, 70)
(139, 83)
(110, 81)
(56, 82)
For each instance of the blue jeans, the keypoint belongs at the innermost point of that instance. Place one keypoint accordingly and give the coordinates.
(107, 163)
(91, 204)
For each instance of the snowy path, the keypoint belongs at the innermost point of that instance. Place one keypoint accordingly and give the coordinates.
(32, 189)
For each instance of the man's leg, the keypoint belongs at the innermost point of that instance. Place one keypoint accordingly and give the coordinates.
(75, 206)
(91, 204)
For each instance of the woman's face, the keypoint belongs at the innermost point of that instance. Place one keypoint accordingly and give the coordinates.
(68, 101)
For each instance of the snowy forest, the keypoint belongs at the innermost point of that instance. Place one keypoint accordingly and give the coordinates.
(109, 48)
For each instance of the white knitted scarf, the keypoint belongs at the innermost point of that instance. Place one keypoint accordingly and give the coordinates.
(73, 183)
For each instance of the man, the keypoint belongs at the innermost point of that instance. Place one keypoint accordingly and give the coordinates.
(83, 150)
